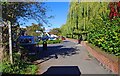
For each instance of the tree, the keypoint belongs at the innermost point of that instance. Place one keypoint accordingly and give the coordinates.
(32, 30)
(98, 24)
(55, 31)
(13, 11)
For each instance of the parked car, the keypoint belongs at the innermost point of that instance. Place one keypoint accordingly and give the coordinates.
(45, 38)
(52, 38)
(39, 38)
(27, 40)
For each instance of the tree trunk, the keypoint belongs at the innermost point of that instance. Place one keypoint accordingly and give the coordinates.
(1, 53)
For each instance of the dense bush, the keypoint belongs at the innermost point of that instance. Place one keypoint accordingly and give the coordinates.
(107, 37)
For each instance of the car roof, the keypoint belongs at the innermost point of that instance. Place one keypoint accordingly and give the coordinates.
(26, 37)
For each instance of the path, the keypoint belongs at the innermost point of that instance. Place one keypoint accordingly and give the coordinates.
(69, 54)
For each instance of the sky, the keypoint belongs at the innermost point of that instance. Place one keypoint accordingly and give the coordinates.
(57, 9)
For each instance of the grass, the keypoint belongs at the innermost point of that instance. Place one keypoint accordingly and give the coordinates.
(18, 67)
(0, 66)
(31, 69)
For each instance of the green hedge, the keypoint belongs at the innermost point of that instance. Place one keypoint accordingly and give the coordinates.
(51, 41)
(106, 37)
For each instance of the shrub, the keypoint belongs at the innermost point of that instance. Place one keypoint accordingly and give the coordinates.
(51, 41)
(107, 37)
(18, 67)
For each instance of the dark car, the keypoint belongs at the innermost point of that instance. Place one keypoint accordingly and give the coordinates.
(28, 42)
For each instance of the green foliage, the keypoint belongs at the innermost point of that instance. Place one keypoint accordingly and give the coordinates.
(31, 30)
(18, 67)
(91, 20)
(107, 37)
(55, 31)
(51, 41)
(54, 41)
(13, 11)
(5, 35)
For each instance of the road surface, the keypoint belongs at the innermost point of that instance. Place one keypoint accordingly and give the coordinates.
(69, 54)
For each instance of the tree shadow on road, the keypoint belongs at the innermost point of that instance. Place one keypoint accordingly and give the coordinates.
(54, 51)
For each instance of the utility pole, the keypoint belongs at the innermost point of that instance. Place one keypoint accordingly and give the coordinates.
(10, 42)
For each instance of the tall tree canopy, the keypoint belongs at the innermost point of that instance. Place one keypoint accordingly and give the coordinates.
(55, 31)
(12, 11)
(97, 22)
(32, 30)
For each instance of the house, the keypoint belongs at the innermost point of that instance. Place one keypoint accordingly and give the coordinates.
(48, 36)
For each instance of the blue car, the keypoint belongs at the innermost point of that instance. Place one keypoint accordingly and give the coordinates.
(28, 42)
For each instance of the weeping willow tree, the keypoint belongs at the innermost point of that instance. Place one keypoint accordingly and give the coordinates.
(81, 17)
(72, 20)
(97, 22)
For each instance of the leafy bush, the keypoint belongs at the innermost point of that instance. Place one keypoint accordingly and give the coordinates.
(18, 67)
(54, 41)
(51, 41)
(107, 37)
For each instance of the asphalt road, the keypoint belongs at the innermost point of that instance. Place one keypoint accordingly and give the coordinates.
(69, 54)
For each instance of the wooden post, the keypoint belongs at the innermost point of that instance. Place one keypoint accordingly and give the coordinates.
(10, 43)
